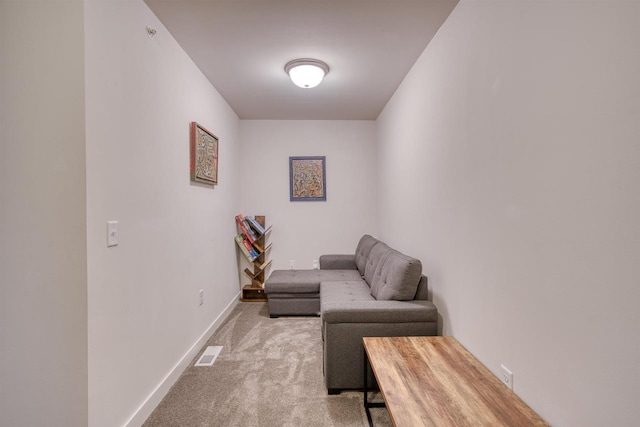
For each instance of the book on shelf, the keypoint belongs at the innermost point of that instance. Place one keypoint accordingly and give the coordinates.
(245, 230)
(255, 224)
(250, 230)
(254, 253)
(264, 265)
(240, 241)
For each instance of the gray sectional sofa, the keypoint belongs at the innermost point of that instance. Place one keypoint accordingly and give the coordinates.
(377, 291)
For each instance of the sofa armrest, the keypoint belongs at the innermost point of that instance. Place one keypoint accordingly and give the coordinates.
(345, 323)
(338, 262)
(379, 312)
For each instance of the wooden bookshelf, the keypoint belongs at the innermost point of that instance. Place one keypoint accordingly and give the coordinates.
(255, 290)
(250, 293)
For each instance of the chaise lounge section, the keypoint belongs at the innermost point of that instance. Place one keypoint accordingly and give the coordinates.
(377, 291)
(297, 292)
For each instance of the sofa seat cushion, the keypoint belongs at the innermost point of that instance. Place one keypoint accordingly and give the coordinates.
(304, 281)
(339, 275)
(346, 290)
(378, 312)
(351, 302)
(343, 292)
(298, 295)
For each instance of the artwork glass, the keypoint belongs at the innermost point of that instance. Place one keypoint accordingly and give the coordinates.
(204, 155)
(307, 178)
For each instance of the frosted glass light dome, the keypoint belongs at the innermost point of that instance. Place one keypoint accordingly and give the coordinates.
(306, 73)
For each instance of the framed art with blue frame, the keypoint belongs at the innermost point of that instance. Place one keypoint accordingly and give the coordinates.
(307, 178)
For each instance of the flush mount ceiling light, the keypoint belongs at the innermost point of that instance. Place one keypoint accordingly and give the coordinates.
(306, 72)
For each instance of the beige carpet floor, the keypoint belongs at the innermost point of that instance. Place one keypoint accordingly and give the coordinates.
(269, 373)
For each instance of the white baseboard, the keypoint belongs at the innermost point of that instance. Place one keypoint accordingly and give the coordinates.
(143, 412)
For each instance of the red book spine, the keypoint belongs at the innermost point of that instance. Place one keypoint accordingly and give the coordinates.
(239, 220)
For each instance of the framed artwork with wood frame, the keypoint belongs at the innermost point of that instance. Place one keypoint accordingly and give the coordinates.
(204, 155)
(307, 178)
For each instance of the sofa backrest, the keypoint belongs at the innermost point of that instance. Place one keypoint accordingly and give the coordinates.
(363, 250)
(378, 253)
(396, 276)
(422, 293)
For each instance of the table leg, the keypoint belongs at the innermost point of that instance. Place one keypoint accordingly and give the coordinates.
(368, 404)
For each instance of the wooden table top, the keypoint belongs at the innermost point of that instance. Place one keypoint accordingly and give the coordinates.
(435, 381)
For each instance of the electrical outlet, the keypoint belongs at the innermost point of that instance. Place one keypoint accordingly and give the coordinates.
(201, 296)
(506, 376)
(315, 264)
(292, 264)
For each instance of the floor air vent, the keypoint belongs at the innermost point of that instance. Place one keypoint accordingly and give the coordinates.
(209, 356)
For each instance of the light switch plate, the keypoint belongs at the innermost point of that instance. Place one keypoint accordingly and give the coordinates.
(112, 233)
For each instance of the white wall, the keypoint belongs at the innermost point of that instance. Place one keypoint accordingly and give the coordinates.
(175, 237)
(512, 148)
(305, 230)
(43, 274)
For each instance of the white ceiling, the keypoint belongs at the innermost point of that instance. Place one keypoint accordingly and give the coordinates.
(241, 46)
